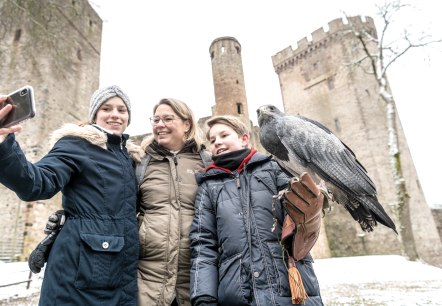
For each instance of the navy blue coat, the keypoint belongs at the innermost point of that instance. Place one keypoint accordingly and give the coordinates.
(94, 258)
(236, 257)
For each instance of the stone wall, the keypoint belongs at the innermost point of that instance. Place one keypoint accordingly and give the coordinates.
(437, 215)
(53, 46)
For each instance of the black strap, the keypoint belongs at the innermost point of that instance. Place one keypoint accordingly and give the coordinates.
(140, 169)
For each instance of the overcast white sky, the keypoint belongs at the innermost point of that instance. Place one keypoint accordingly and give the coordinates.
(158, 49)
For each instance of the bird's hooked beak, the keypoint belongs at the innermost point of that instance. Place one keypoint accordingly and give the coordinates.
(261, 110)
(261, 113)
(258, 114)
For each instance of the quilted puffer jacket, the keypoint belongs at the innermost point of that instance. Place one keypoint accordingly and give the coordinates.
(236, 257)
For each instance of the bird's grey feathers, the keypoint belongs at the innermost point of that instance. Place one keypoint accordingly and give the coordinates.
(300, 145)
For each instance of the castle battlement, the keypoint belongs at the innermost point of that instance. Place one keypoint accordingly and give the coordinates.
(289, 56)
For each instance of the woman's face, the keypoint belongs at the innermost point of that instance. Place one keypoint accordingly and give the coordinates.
(113, 116)
(168, 128)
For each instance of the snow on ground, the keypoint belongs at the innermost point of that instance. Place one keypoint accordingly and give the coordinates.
(17, 273)
(388, 280)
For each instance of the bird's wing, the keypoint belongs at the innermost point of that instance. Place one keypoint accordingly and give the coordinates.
(320, 151)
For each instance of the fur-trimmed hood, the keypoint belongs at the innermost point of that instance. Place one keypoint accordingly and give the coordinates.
(87, 132)
(135, 151)
(94, 136)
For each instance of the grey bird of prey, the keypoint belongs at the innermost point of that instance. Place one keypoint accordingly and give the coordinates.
(300, 145)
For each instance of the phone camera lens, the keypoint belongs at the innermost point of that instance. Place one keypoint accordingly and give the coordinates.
(23, 92)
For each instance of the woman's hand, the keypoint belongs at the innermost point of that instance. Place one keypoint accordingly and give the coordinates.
(3, 112)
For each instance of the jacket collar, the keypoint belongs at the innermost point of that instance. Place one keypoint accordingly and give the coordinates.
(232, 161)
(255, 159)
(90, 133)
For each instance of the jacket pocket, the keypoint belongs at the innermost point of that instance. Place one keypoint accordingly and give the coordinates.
(101, 261)
(234, 288)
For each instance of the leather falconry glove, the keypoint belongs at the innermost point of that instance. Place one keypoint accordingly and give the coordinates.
(303, 201)
(40, 254)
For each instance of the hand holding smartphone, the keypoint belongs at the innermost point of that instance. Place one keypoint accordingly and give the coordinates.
(23, 106)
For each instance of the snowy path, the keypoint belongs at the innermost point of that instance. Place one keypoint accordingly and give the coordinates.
(388, 280)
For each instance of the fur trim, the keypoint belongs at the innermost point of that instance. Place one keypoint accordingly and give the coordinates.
(146, 142)
(135, 151)
(87, 132)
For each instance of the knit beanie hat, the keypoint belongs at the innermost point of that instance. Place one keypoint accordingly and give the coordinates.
(102, 95)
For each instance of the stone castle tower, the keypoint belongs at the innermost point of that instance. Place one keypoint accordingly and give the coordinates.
(229, 85)
(53, 46)
(317, 80)
(228, 78)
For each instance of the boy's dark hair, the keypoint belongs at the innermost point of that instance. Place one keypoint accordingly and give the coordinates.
(234, 122)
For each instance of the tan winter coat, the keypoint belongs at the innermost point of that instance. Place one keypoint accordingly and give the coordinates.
(168, 193)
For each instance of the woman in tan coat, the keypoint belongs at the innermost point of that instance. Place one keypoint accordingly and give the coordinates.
(167, 195)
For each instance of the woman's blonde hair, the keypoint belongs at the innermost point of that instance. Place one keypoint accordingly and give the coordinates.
(185, 113)
(234, 122)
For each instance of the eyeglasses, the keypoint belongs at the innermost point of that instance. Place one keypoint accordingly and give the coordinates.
(166, 119)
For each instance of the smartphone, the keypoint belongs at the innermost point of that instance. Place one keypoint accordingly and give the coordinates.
(23, 106)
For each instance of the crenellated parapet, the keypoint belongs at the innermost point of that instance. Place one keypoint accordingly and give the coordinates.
(319, 39)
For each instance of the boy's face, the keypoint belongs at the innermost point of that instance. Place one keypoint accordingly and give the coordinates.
(224, 139)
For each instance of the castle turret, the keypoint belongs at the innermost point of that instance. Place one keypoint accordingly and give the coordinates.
(228, 79)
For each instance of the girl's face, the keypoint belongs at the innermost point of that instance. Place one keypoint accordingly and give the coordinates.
(168, 128)
(113, 116)
(224, 139)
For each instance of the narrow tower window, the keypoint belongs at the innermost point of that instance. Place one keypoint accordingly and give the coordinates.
(337, 125)
(330, 83)
(17, 35)
(239, 108)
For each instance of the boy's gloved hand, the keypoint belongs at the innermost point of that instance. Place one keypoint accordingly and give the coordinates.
(40, 254)
(303, 201)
